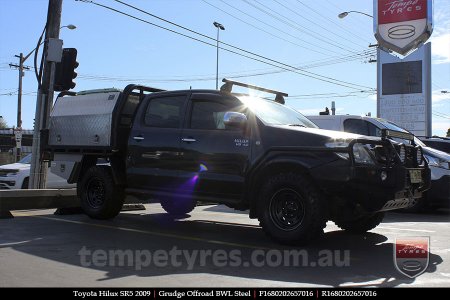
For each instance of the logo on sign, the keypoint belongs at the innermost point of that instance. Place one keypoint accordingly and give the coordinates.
(401, 25)
(411, 255)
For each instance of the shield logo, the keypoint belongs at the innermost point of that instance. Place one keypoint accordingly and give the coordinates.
(401, 25)
(411, 255)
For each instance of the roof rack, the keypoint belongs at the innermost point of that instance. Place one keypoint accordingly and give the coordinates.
(127, 89)
(228, 86)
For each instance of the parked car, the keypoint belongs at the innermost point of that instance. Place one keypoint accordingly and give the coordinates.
(16, 176)
(439, 143)
(438, 161)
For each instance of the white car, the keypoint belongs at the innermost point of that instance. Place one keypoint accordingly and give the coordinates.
(16, 176)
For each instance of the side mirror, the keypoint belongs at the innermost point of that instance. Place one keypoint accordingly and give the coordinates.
(234, 119)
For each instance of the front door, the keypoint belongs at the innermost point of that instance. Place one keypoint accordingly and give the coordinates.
(214, 157)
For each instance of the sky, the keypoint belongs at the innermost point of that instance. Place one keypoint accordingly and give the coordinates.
(332, 55)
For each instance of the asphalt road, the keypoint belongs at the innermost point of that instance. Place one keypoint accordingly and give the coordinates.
(213, 247)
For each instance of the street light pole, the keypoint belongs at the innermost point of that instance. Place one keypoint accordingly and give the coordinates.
(345, 13)
(219, 27)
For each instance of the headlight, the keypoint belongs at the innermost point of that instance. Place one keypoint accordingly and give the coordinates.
(339, 144)
(9, 172)
(362, 155)
(402, 153)
(434, 161)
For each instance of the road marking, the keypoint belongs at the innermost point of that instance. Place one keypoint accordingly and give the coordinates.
(167, 235)
(19, 243)
(441, 251)
(369, 283)
(404, 229)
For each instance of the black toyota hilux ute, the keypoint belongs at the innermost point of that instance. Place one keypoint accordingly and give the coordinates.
(181, 147)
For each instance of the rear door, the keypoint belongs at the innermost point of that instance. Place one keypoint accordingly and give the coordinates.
(154, 143)
(214, 157)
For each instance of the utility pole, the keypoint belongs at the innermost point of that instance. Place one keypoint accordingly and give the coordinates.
(38, 174)
(18, 132)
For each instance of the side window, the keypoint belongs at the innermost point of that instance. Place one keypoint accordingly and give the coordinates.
(128, 110)
(356, 126)
(165, 112)
(373, 130)
(209, 114)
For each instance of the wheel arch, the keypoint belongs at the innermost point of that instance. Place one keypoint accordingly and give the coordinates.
(116, 164)
(262, 174)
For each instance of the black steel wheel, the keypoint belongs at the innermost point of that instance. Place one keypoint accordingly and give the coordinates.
(291, 209)
(100, 197)
(95, 192)
(286, 209)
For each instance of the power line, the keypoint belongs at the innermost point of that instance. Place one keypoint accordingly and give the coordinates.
(365, 93)
(295, 25)
(238, 48)
(233, 75)
(313, 22)
(271, 62)
(441, 116)
(331, 21)
(267, 24)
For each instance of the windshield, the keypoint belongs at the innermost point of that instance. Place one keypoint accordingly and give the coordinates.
(393, 126)
(26, 160)
(272, 113)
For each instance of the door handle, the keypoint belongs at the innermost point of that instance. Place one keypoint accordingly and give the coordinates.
(138, 138)
(188, 140)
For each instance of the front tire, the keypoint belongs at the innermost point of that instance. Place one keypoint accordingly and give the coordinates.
(100, 197)
(25, 183)
(292, 210)
(361, 225)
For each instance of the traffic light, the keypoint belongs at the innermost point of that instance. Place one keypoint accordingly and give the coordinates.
(65, 70)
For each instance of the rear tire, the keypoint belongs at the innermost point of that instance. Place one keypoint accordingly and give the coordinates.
(362, 224)
(178, 206)
(100, 197)
(291, 210)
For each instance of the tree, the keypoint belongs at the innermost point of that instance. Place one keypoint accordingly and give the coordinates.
(3, 124)
(448, 132)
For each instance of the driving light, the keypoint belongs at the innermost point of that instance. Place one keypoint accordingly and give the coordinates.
(402, 153)
(419, 156)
